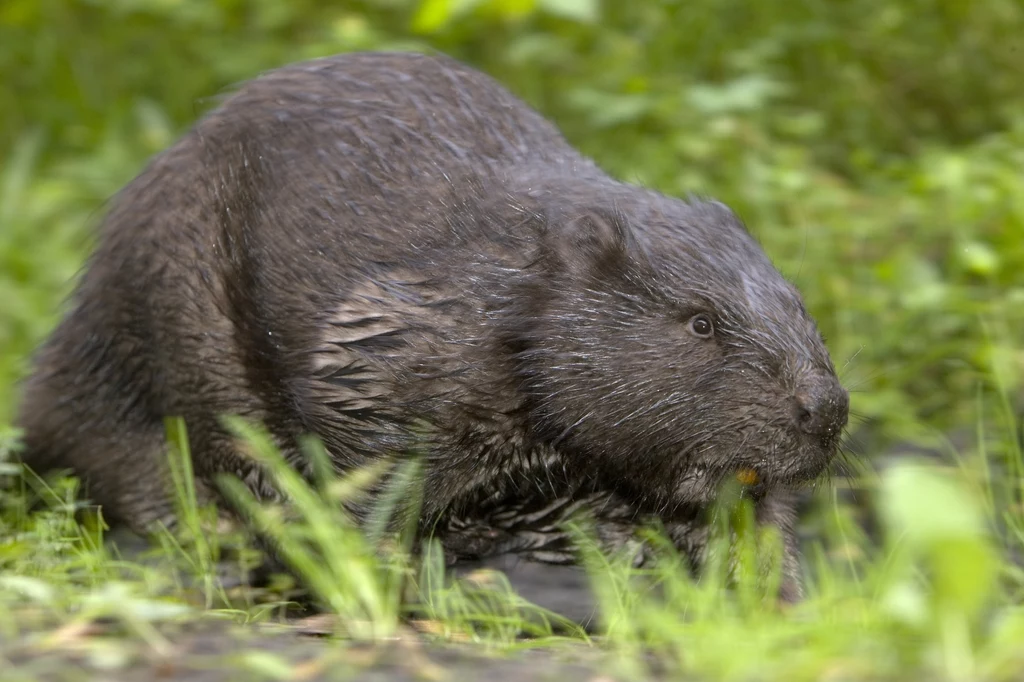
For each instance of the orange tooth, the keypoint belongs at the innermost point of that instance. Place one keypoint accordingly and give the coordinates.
(747, 476)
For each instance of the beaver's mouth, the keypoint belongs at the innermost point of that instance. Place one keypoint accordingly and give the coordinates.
(798, 471)
(752, 484)
(702, 483)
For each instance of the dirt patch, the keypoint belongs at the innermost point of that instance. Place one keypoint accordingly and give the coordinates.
(212, 651)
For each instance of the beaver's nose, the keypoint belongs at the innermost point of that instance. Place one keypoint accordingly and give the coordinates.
(821, 406)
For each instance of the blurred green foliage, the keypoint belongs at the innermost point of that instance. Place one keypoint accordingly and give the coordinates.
(875, 147)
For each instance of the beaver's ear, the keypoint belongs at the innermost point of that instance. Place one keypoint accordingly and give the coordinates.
(594, 240)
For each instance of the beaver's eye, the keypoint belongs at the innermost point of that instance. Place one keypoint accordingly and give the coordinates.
(700, 325)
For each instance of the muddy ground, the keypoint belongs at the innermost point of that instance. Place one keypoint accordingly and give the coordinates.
(209, 650)
(214, 652)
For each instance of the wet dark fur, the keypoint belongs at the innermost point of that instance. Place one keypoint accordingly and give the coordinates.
(394, 253)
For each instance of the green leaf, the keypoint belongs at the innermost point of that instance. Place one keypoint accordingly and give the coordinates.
(578, 10)
(433, 15)
(934, 518)
(267, 664)
(35, 590)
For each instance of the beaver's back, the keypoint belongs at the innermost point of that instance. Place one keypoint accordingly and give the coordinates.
(339, 141)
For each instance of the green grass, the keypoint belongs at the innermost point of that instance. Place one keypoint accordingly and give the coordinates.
(937, 597)
(875, 148)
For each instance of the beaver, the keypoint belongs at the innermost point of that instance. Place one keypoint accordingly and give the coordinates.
(392, 252)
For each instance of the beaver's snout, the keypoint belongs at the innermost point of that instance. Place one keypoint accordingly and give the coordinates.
(821, 407)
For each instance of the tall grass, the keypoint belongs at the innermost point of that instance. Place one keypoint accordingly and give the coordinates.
(936, 595)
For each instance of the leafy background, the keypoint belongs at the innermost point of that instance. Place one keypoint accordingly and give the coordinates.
(876, 148)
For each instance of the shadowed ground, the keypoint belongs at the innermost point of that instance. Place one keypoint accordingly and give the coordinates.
(212, 651)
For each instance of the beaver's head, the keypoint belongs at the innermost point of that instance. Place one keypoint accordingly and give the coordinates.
(665, 353)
